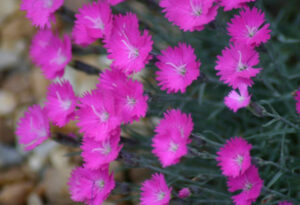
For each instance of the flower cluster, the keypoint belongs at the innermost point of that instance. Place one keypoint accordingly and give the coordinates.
(235, 162)
(237, 64)
(172, 136)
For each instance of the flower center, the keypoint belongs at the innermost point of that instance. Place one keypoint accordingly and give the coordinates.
(98, 23)
(103, 116)
(64, 104)
(60, 58)
(173, 147)
(100, 183)
(197, 9)
(131, 101)
(241, 66)
(133, 52)
(179, 69)
(239, 160)
(105, 149)
(161, 195)
(248, 186)
(251, 31)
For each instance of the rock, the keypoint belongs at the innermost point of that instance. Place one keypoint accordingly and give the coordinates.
(9, 156)
(34, 199)
(8, 102)
(12, 175)
(8, 59)
(15, 194)
(7, 8)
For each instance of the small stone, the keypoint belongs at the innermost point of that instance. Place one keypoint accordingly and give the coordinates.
(8, 102)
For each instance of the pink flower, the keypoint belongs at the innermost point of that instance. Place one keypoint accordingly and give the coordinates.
(184, 193)
(248, 28)
(93, 21)
(285, 203)
(39, 44)
(235, 65)
(128, 49)
(51, 53)
(178, 68)
(96, 154)
(90, 186)
(189, 15)
(128, 93)
(155, 191)
(297, 98)
(235, 101)
(234, 157)
(250, 183)
(41, 12)
(233, 4)
(174, 120)
(172, 136)
(61, 103)
(98, 115)
(33, 128)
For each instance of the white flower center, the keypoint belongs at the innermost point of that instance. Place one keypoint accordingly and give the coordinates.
(197, 9)
(248, 186)
(251, 31)
(160, 195)
(239, 160)
(180, 69)
(100, 183)
(105, 149)
(131, 101)
(64, 104)
(60, 58)
(98, 23)
(241, 66)
(173, 147)
(103, 116)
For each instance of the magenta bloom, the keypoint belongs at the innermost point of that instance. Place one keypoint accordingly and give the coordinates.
(297, 98)
(90, 186)
(39, 43)
(93, 21)
(235, 101)
(235, 65)
(172, 136)
(285, 203)
(128, 49)
(98, 115)
(33, 128)
(250, 183)
(128, 93)
(233, 4)
(184, 193)
(51, 53)
(155, 191)
(189, 15)
(178, 68)
(234, 157)
(96, 154)
(41, 12)
(61, 103)
(248, 28)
